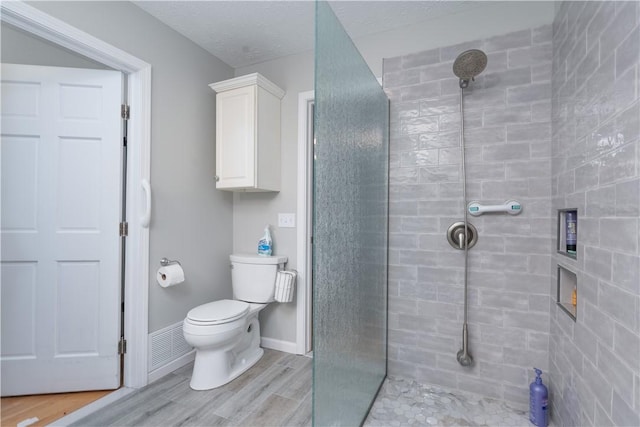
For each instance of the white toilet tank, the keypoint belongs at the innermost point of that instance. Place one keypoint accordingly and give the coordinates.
(253, 277)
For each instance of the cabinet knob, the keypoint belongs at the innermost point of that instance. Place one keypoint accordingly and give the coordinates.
(217, 178)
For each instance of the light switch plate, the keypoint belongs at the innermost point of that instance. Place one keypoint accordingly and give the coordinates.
(286, 220)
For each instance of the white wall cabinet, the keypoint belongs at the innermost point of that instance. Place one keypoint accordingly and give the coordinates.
(247, 134)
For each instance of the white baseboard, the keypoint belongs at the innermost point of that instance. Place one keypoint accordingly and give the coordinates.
(172, 366)
(280, 345)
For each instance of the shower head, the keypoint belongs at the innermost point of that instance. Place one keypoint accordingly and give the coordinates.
(469, 64)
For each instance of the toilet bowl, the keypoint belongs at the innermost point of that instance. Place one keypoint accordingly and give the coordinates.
(226, 333)
(226, 336)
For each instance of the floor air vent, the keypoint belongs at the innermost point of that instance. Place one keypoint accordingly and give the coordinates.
(166, 345)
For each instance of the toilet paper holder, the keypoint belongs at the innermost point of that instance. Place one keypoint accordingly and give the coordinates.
(166, 261)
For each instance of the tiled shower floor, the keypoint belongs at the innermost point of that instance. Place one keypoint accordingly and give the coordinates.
(404, 403)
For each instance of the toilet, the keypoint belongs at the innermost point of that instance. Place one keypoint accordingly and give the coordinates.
(226, 333)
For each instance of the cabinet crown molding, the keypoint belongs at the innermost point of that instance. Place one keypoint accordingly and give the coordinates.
(247, 80)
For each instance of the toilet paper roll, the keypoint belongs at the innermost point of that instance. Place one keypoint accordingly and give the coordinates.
(170, 275)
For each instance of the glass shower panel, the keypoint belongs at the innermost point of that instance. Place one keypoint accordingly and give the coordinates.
(349, 229)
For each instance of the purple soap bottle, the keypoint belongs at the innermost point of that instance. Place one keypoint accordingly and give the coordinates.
(538, 398)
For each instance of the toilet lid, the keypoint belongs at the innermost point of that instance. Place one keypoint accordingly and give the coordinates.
(216, 312)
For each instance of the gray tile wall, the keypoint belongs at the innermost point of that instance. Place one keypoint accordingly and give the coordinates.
(595, 361)
(508, 139)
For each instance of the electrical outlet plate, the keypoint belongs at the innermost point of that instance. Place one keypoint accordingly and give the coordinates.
(286, 220)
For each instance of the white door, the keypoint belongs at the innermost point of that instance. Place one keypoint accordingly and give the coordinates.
(60, 213)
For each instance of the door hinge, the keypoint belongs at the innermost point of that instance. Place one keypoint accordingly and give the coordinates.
(122, 346)
(124, 111)
(124, 229)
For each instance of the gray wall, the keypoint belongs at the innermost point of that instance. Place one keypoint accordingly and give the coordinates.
(294, 74)
(508, 131)
(595, 361)
(191, 220)
(252, 211)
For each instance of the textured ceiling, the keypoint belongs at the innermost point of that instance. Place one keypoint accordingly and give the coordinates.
(249, 32)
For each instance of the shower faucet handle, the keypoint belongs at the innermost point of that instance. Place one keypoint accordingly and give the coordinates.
(457, 236)
(461, 238)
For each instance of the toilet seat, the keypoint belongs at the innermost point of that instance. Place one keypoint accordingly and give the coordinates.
(218, 312)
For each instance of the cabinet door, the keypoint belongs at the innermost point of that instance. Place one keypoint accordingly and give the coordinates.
(235, 138)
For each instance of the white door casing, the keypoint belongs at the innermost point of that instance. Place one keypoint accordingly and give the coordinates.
(304, 318)
(61, 195)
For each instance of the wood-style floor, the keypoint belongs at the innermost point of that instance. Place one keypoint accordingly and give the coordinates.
(274, 392)
(46, 407)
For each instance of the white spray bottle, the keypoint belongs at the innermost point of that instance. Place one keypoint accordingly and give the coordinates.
(265, 245)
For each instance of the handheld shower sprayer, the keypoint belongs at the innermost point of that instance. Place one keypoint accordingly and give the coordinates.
(467, 65)
(463, 356)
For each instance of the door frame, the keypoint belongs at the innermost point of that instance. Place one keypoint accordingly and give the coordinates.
(42, 25)
(305, 225)
(304, 305)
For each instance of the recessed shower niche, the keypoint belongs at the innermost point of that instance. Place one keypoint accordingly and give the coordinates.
(567, 232)
(567, 296)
